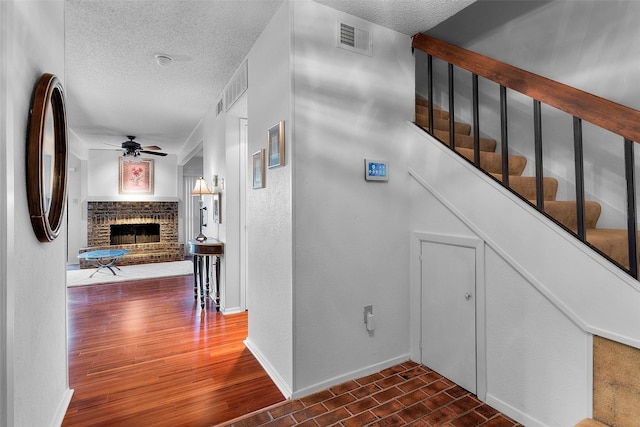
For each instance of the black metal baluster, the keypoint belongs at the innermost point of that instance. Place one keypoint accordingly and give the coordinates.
(537, 120)
(476, 121)
(632, 227)
(430, 92)
(504, 136)
(579, 172)
(452, 125)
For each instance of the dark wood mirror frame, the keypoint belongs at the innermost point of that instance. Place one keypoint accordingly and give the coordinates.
(47, 182)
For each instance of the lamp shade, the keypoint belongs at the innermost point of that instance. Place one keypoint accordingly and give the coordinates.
(201, 187)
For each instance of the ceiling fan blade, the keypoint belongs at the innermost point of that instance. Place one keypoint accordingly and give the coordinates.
(153, 153)
(151, 147)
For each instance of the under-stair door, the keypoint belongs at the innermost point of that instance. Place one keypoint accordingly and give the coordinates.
(448, 330)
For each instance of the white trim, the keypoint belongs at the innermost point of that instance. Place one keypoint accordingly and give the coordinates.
(589, 372)
(62, 409)
(368, 370)
(7, 214)
(244, 142)
(227, 311)
(290, 155)
(514, 413)
(282, 385)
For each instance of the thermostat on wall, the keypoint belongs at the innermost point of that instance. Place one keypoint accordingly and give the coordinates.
(376, 170)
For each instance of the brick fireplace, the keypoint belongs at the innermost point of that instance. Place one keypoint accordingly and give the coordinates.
(101, 216)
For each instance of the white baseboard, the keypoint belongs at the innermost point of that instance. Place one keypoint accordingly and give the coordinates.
(285, 388)
(62, 409)
(512, 412)
(282, 385)
(362, 372)
(231, 310)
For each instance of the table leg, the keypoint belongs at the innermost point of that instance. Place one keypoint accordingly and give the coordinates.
(217, 283)
(195, 277)
(100, 264)
(200, 261)
(207, 261)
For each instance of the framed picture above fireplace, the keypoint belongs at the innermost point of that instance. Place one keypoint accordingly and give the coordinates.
(135, 177)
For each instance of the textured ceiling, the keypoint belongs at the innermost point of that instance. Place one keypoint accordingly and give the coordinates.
(115, 88)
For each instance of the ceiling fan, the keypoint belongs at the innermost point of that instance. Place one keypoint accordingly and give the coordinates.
(133, 149)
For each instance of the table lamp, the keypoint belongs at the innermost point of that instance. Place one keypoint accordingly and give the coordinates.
(199, 190)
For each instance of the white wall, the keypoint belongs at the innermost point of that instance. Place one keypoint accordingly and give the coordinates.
(33, 369)
(350, 236)
(269, 211)
(587, 45)
(102, 168)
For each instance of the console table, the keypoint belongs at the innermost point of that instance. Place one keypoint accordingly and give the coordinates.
(104, 258)
(202, 251)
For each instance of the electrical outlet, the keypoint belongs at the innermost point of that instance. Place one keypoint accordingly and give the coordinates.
(367, 309)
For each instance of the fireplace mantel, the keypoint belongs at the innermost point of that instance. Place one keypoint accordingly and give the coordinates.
(133, 199)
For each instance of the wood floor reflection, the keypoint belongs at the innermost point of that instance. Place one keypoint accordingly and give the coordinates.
(143, 353)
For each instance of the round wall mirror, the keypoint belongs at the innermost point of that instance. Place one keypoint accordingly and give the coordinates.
(47, 158)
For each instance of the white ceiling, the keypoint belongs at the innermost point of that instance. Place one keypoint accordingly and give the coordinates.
(114, 87)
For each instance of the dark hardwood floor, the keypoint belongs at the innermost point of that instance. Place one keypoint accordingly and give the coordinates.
(143, 353)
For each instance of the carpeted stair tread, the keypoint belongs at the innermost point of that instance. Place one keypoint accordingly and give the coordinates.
(492, 162)
(588, 422)
(525, 186)
(422, 101)
(613, 242)
(438, 113)
(442, 124)
(466, 141)
(564, 212)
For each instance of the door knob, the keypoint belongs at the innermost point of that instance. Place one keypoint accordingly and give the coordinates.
(467, 296)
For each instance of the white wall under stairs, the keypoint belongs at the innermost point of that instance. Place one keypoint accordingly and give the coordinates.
(545, 292)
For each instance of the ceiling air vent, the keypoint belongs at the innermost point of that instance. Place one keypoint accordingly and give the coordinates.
(354, 39)
(237, 85)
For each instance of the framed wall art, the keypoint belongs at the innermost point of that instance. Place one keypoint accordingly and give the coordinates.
(135, 177)
(275, 140)
(257, 163)
(217, 213)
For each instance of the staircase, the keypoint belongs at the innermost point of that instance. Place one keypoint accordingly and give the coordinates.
(612, 243)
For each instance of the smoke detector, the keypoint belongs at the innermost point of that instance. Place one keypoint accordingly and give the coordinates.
(163, 60)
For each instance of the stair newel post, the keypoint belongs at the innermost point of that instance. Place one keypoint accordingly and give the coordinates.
(452, 124)
(632, 227)
(476, 120)
(579, 173)
(537, 120)
(504, 136)
(430, 91)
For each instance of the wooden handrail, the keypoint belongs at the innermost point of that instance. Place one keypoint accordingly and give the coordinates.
(606, 114)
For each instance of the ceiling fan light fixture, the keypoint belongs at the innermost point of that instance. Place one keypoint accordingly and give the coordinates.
(131, 157)
(163, 60)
